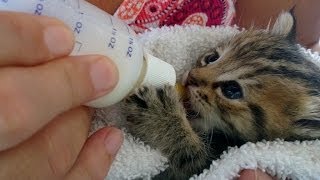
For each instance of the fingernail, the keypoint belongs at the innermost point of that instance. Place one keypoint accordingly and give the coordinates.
(59, 40)
(104, 75)
(113, 141)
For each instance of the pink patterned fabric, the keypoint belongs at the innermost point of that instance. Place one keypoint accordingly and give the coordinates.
(144, 14)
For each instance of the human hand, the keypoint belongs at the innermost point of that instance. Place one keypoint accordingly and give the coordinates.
(249, 174)
(43, 127)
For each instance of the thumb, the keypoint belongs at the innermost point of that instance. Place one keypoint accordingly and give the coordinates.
(97, 155)
(249, 174)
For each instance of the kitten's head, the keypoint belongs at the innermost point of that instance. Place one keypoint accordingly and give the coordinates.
(257, 86)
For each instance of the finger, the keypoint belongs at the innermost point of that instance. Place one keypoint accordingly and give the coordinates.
(249, 174)
(51, 152)
(97, 155)
(31, 97)
(29, 40)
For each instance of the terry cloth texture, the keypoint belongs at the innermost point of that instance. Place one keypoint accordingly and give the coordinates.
(181, 46)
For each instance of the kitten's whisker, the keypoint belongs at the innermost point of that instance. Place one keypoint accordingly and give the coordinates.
(226, 136)
(210, 141)
(198, 112)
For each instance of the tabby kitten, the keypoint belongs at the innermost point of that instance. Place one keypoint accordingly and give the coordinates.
(256, 86)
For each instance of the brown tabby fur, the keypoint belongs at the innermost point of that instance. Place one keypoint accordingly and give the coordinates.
(280, 100)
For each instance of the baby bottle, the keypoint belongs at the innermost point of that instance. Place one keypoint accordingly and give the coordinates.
(97, 32)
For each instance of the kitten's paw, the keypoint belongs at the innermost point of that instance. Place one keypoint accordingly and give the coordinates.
(149, 98)
(148, 108)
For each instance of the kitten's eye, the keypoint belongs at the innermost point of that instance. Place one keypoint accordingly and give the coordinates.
(231, 90)
(211, 58)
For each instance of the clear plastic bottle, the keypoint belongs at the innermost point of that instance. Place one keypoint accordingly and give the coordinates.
(97, 32)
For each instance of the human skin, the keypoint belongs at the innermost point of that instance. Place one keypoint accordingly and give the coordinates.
(43, 125)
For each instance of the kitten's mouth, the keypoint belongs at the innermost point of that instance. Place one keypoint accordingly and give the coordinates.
(191, 113)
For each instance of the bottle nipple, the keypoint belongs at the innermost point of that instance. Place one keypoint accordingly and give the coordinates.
(158, 72)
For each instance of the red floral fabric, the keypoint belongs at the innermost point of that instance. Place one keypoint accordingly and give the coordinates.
(144, 14)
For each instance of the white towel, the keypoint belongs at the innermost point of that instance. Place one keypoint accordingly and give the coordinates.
(181, 46)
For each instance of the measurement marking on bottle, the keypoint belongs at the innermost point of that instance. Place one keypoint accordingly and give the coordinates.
(128, 29)
(111, 20)
(39, 8)
(130, 48)
(78, 45)
(113, 40)
(78, 27)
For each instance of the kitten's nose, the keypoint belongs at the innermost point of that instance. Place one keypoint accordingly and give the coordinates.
(191, 80)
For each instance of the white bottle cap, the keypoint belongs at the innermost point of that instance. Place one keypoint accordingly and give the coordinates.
(158, 72)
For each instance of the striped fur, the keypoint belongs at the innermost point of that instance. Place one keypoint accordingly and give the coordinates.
(279, 98)
(280, 87)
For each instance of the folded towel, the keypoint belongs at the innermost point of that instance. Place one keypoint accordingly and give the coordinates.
(181, 46)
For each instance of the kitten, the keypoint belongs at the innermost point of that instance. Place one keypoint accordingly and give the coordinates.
(256, 86)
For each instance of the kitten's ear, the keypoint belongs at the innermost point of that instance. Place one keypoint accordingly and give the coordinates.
(285, 25)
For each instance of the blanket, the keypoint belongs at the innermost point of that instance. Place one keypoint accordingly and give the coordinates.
(181, 47)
